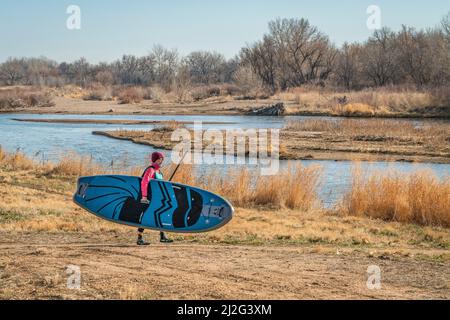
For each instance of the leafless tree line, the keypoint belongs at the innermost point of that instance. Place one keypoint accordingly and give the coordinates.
(293, 53)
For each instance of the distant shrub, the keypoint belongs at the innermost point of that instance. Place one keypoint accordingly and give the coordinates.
(199, 93)
(98, 93)
(205, 92)
(213, 91)
(105, 77)
(131, 95)
(230, 90)
(19, 98)
(155, 94)
(354, 109)
(441, 96)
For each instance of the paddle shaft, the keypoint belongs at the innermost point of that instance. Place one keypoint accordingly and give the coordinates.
(179, 164)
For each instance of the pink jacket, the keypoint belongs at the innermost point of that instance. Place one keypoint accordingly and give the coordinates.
(148, 174)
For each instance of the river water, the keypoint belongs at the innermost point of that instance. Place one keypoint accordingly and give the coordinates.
(51, 141)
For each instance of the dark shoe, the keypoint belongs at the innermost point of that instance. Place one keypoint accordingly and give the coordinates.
(141, 242)
(164, 239)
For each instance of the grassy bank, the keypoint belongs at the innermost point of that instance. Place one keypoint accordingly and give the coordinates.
(349, 139)
(369, 139)
(382, 102)
(389, 102)
(377, 209)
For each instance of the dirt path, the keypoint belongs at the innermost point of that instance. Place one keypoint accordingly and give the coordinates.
(193, 271)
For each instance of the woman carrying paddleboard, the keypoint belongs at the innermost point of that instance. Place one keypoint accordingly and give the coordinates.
(152, 172)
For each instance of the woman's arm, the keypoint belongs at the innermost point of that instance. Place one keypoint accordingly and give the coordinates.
(146, 180)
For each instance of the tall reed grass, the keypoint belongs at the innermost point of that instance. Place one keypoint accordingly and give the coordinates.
(294, 187)
(16, 160)
(418, 197)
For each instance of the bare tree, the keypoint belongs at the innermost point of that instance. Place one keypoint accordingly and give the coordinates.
(206, 67)
(380, 57)
(12, 71)
(348, 65)
(415, 53)
(246, 79)
(80, 72)
(165, 66)
(292, 54)
(40, 71)
(134, 70)
(445, 23)
(304, 54)
(182, 83)
(230, 67)
(262, 58)
(439, 58)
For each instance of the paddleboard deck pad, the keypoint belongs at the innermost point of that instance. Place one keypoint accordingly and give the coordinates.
(173, 207)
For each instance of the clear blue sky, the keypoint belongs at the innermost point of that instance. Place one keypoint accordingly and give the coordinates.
(111, 28)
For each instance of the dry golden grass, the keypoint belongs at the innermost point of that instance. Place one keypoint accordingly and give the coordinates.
(365, 103)
(294, 187)
(130, 95)
(15, 161)
(40, 192)
(22, 97)
(355, 109)
(52, 211)
(435, 133)
(170, 126)
(98, 92)
(76, 165)
(419, 197)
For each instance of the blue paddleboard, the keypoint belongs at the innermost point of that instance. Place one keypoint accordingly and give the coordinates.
(173, 207)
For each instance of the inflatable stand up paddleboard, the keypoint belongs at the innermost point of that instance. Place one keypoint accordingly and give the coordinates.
(173, 207)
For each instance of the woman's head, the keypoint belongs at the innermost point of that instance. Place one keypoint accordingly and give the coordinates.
(157, 157)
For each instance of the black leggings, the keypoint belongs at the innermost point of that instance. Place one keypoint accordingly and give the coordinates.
(141, 230)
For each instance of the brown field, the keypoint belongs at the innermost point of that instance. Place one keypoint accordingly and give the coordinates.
(268, 251)
(195, 271)
(383, 102)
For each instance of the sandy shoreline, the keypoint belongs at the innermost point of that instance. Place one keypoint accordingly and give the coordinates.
(73, 106)
(115, 121)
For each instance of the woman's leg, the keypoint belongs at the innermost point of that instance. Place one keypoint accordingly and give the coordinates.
(140, 240)
(163, 238)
